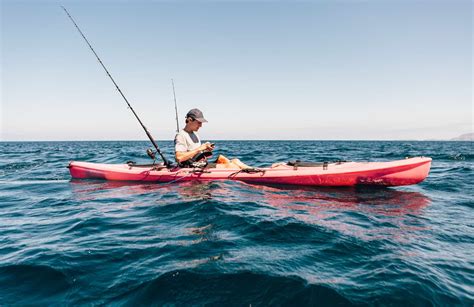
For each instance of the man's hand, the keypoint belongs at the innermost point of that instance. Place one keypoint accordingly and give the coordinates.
(206, 147)
(182, 156)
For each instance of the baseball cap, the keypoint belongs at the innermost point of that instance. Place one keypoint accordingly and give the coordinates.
(197, 115)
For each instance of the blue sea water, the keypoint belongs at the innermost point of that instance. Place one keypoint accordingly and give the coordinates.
(94, 242)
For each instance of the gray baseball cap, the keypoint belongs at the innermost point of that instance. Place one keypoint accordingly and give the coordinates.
(197, 115)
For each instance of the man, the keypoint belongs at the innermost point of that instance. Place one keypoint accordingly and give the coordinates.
(187, 143)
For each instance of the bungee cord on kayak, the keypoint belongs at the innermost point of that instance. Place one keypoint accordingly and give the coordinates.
(150, 153)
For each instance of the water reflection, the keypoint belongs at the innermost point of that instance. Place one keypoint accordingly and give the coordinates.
(368, 213)
(94, 189)
(379, 200)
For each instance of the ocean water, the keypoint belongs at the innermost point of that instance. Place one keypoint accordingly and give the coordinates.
(91, 242)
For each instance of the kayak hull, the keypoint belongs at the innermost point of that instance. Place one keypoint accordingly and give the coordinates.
(393, 173)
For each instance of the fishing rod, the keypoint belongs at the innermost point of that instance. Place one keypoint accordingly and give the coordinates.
(175, 107)
(150, 152)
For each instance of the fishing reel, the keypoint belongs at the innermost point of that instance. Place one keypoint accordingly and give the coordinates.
(151, 154)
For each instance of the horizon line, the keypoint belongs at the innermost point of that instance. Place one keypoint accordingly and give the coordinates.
(250, 140)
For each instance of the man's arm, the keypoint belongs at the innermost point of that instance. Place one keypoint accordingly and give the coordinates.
(182, 156)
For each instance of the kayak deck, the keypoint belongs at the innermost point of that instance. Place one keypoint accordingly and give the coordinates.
(393, 173)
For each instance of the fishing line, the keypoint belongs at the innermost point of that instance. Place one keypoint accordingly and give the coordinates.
(166, 162)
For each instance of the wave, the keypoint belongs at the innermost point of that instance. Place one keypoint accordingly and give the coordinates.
(30, 284)
(17, 166)
(36, 181)
(245, 288)
(453, 157)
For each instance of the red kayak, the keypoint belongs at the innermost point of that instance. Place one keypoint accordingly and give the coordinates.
(393, 173)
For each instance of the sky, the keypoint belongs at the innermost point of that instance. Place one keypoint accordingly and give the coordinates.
(306, 70)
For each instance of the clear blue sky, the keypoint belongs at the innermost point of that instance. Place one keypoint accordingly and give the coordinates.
(258, 70)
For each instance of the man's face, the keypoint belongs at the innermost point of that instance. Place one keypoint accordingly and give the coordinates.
(195, 125)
